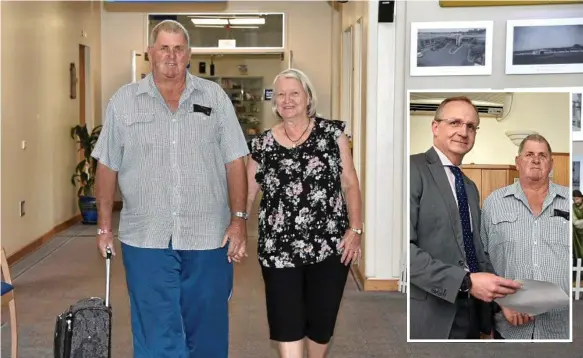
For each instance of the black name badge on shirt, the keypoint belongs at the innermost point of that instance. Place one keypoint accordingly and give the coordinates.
(561, 213)
(197, 108)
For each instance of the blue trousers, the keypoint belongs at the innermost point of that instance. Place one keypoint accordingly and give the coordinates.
(179, 302)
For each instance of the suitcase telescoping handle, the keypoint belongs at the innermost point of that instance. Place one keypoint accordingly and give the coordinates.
(107, 274)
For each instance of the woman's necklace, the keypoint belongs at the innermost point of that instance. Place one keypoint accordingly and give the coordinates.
(295, 142)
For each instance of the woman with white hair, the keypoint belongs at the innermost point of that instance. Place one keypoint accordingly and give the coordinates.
(310, 219)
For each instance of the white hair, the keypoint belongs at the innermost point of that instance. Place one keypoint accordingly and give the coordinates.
(306, 84)
(170, 26)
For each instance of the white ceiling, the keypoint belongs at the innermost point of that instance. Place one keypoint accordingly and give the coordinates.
(493, 97)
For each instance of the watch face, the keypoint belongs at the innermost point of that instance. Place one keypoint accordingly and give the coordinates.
(241, 215)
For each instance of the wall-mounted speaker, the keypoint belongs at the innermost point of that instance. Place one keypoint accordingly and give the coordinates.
(386, 11)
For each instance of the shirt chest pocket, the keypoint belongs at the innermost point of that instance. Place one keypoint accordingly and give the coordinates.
(200, 129)
(141, 130)
(504, 230)
(555, 230)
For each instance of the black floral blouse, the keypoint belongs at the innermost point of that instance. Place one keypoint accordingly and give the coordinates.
(303, 214)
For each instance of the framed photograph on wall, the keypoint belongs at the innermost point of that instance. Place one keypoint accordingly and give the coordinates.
(576, 116)
(451, 48)
(576, 175)
(544, 46)
(482, 3)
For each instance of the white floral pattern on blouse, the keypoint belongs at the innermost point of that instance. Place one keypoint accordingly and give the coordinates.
(303, 214)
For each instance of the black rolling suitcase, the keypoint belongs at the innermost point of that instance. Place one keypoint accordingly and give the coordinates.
(84, 330)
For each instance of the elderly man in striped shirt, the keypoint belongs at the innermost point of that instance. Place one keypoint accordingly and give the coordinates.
(174, 143)
(525, 229)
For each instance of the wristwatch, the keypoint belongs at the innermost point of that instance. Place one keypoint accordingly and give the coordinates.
(466, 283)
(103, 231)
(357, 231)
(241, 214)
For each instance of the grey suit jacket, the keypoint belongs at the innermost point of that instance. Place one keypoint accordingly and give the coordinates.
(437, 254)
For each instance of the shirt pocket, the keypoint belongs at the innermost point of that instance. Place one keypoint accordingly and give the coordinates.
(140, 130)
(555, 230)
(503, 230)
(201, 130)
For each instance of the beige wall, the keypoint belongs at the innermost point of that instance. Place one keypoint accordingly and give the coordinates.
(546, 113)
(39, 40)
(309, 25)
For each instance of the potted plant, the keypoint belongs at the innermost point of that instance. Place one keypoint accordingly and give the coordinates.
(85, 172)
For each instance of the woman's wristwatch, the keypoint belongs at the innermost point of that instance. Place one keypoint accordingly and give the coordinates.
(241, 214)
(357, 231)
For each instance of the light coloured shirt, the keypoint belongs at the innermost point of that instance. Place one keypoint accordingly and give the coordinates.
(524, 246)
(171, 166)
(451, 178)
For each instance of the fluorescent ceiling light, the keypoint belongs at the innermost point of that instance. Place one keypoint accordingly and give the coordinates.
(223, 26)
(210, 21)
(248, 21)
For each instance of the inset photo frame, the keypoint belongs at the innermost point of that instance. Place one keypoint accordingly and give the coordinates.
(544, 46)
(452, 48)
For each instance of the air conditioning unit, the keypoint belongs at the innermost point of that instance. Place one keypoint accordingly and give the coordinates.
(429, 106)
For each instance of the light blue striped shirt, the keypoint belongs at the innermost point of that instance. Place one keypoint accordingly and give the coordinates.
(524, 246)
(171, 166)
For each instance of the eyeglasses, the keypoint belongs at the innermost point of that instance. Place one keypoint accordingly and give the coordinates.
(458, 123)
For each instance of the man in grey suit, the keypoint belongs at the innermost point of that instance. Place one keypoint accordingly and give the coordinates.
(452, 281)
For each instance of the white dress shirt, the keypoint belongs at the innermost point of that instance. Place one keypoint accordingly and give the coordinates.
(451, 178)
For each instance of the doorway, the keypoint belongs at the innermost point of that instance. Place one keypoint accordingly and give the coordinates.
(356, 125)
(346, 81)
(85, 88)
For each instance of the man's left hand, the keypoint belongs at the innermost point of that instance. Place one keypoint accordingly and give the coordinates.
(236, 236)
(487, 336)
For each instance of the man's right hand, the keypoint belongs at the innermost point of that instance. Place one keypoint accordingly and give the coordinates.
(487, 287)
(103, 242)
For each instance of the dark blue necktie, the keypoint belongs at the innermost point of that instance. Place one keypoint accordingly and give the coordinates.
(463, 207)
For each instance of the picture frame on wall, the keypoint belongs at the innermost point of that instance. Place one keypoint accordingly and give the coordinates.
(482, 3)
(576, 175)
(576, 98)
(544, 46)
(461, 48)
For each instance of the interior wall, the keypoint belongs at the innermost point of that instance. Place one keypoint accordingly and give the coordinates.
(350, 13)
(124, 29)
(39, 41)
(546, 113)
(420, 11)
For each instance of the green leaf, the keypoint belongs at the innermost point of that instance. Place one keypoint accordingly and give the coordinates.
(86, 168)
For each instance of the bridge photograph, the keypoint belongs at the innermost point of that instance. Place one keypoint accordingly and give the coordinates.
(545, 47)
(451, 48)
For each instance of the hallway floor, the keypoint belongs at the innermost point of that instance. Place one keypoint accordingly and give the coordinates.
(370, 324)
